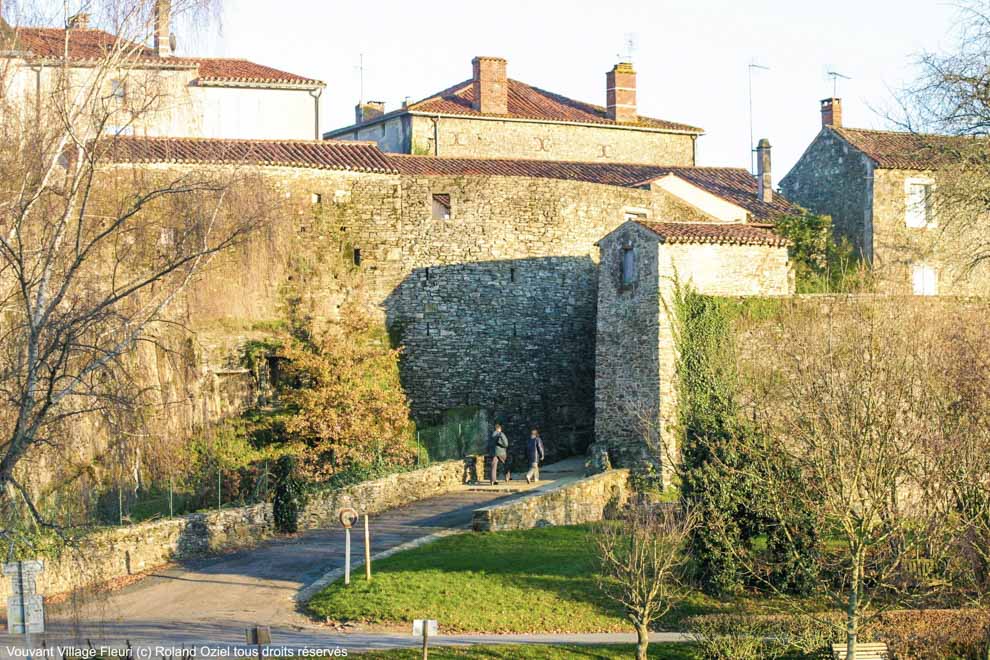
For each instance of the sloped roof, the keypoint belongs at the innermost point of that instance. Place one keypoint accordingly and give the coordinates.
(314, 154)
(714, 233)
(88, 45)
(900, 150)
(732, 184)
(528, 102)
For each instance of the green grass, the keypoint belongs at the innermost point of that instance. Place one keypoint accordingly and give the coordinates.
(528, 651)
(537, 580)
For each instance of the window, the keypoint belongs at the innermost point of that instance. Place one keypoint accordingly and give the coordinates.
(357, 256)
(441, 207)
(512, 274)
(918, 204)
(118, 90)
(628, 266)
(316, 199)
(924, 279)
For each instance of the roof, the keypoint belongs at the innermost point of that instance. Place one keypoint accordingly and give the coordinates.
(714, 233)
(732, 184)
(900, 150)
(315, 154)
(88, 45)
(527, 102)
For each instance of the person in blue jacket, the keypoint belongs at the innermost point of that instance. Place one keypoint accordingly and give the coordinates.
(534, 454)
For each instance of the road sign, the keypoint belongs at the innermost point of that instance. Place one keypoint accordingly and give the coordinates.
(431, 627)
(31, 607)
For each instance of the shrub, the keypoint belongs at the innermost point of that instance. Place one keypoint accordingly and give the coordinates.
(758, 637)
(934, 634)
(290, 497)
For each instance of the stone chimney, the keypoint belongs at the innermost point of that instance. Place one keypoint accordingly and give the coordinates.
(163, 28)
(832, 112)
(764, 182)
(366, 111)
(79, 22)
(620, 92)
(491, 86)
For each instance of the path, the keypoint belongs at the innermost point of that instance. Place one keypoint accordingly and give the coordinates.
(213, 600)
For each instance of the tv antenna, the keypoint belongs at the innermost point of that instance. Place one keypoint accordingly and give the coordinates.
(835, 75)
(752, 146)
(360, 70)
(629, 41)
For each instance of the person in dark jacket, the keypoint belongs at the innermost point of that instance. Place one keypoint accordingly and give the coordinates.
(534, 454)
(498, 449)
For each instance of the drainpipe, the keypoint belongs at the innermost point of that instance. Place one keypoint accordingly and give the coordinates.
(316, 94)
(436, 135)
(37, 93)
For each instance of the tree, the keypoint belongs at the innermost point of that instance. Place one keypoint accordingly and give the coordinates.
(821, 263)
(851, 399)
(95, 255)
(641, 557)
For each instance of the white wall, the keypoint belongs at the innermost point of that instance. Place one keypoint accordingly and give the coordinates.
(234, 112)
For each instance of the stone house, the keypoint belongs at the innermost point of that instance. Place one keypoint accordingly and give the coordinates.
(484, 270)
(642, 261)
(158, 92)
(879, 187)
(493, 116)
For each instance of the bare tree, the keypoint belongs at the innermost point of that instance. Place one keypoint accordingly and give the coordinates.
(851, 398)
(95, 254)
(641, 556)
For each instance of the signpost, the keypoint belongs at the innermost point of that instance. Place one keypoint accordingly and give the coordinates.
(25, 607)
(425, 628)
(367, 550)
(258, 635)
(347, 516)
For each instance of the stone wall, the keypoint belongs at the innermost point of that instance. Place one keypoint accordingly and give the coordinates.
(636, 355)
(462, 137)
(125, 551)
(582, 501)
(832, 178)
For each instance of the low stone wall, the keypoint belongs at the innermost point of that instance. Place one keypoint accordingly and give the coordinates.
(125, 551)
(585, 500)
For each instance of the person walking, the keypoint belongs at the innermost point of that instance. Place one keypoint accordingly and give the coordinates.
(499, 451)
(534, 454)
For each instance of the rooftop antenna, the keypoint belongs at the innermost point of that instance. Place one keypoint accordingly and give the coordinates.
(835, 82)
(360, 68)
(629, 41)
(752, 146)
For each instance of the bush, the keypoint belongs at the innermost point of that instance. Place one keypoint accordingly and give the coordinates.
(821, 263)
(756, 637)
(290, 496)
(934, 634)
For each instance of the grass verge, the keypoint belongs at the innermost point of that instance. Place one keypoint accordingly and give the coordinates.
(528, 651)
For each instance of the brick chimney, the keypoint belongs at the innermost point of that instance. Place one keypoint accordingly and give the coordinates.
(620, 92)
(366, 111)
(163, 28)
(491, 87)
(79, 22)
(832, 112)
(764, 182)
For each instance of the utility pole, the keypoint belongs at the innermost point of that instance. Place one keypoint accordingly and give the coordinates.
(752, 145)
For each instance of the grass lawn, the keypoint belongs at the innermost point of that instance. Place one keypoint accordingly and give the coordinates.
(537, 580)
(527, 651)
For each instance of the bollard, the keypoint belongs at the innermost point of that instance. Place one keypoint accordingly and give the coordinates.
(367, 550)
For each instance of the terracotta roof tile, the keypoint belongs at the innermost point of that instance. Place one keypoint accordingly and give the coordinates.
(901, 150)
(528, 102)
(86, 45)
(732, 184)
(717, 233)
(322, 154)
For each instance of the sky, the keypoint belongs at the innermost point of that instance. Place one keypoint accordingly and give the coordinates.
(691, 56)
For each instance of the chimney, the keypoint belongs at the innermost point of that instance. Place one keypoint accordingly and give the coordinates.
(79, 22)
(764, 182)
(620, 92)
(163, 27)
(367, 111)
(832, 112)
(491, 87)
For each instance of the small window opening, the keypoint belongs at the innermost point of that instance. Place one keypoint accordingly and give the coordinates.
(316, 199)
(427, 273)
(628, 266)
(357, 256)
(427, 329)
(441, 207)
(118, 90)
(512, 274)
